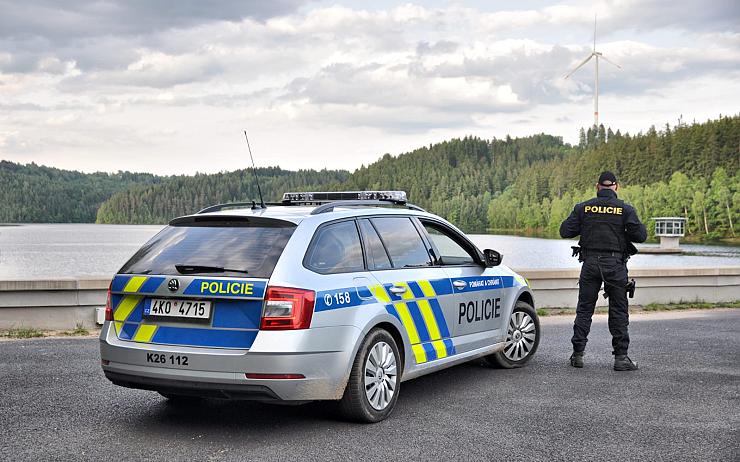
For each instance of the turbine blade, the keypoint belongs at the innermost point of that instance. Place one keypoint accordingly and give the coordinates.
(580, 65)
(594, 32)
(610, 61)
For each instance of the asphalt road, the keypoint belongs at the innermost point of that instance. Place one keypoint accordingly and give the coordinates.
(683, 404)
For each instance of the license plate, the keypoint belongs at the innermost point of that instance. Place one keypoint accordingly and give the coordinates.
(161, 358)
(191, 309)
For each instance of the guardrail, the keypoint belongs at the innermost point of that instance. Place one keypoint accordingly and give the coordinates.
(65, 303)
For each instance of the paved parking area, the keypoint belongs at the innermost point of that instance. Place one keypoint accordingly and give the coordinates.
(684, 404)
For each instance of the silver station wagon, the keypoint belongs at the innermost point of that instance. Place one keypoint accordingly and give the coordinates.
(325, 296)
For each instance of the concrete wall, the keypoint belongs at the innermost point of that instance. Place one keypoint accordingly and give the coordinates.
(559, 288)
(64, 303)
(51, 304)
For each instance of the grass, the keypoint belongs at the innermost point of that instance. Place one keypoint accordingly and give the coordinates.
(690, 306)
(77, 331)
(695, 305)
(30, 332)
(22, 332)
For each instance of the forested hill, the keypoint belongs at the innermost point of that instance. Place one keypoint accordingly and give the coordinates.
(456, 179)
(36, 194)
(691, 171)
(183, 195)
(522, 184)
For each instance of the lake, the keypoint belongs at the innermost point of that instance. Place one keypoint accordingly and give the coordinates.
(42, 251)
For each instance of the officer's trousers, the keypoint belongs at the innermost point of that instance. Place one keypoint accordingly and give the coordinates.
(613, 272)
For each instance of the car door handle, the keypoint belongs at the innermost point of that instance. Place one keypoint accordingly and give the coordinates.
(459, 284)
(398, 290)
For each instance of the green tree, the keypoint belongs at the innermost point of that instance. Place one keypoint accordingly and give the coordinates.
(721, 195)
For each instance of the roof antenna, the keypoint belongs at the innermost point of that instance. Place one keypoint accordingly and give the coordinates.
(254, 170)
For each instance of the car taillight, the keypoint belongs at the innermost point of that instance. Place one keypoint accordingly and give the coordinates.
(108, 308)
(287, 308)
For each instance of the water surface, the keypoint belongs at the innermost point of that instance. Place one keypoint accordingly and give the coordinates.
(42, 251)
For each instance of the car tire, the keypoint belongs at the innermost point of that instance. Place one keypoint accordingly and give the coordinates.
(519, 346)
(374, 382)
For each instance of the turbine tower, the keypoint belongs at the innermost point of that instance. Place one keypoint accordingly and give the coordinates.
(596, 55)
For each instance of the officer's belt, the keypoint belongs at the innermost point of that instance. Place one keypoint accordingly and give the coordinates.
(601, 253)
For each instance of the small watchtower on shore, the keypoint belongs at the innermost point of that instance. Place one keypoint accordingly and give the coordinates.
(670, 230)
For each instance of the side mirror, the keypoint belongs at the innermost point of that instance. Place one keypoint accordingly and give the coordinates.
(493, 258)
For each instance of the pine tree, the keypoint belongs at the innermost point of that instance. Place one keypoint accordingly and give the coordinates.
(601, 135)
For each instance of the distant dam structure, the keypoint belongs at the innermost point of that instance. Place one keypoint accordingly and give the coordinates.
(670, 230)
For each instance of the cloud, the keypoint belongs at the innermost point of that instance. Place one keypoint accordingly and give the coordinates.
(687, 15)
(95, 76)
(647, 68)
(619, 15)
(109, 35)
(441, 47)
(152, 69)
(395, 86)
(405, 119)
(82, 18)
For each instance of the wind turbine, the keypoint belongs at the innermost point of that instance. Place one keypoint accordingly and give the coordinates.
(596, 55)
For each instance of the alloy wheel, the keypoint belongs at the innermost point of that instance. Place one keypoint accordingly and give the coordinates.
(381, 376)
(520, 337)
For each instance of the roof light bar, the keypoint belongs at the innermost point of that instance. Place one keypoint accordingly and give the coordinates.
(398, 197)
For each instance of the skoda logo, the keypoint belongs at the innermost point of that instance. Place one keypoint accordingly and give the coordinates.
(173, 285)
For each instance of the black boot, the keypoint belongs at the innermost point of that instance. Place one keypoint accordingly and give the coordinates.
(576, 359)
(623, 363)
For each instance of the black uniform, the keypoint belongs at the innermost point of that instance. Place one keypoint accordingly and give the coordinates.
(607, 227)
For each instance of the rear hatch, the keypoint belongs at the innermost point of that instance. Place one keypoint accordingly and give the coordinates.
(200, 282)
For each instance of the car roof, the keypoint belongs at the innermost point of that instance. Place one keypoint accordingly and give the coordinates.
(297, 214)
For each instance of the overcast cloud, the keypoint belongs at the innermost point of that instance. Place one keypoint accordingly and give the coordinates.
(168, 86)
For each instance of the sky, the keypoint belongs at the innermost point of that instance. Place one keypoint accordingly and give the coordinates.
(169, 86)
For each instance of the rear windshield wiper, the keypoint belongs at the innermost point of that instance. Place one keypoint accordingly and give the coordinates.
(191, 269)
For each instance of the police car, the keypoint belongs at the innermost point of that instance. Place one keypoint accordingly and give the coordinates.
(326, 296)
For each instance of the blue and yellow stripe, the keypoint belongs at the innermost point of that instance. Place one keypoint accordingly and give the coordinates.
(234, 323)
(136, 284)
(421, 316)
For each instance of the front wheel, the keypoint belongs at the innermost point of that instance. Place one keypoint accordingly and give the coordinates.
(372, 390)
(522, 339)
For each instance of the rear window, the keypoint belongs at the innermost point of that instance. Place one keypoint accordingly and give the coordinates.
(250, 247)
(336, 249)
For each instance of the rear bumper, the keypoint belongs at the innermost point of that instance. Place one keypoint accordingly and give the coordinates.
(323, 356)
(192, 388)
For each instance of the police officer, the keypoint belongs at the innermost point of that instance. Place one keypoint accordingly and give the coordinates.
(607, 227)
